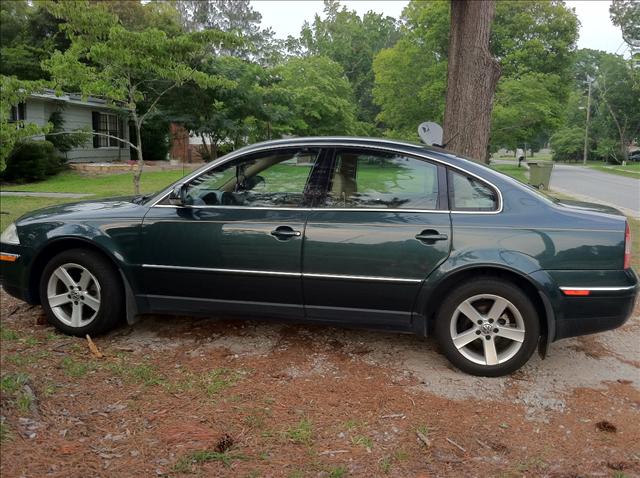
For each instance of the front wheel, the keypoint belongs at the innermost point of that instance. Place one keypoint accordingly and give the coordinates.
(488, 327)
(81, 293)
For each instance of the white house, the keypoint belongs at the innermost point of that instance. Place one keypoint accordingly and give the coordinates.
(93, 114)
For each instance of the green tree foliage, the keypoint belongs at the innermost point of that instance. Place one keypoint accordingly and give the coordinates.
(352, 42)
(12, 133)
(155, 137)
(526, 109)
(232, 16)
(531, 39)
(28, 35)
(319, 96)
(136, 16)
(534, 36)
(128, 68)
(619, 94)
(626, 15)
(568, 144)
(228, 114)
(410, 77)
(614, 110)
(62, 140)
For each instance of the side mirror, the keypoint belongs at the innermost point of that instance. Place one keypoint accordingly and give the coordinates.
(178, 195)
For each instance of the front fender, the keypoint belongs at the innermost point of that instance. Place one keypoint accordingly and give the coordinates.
(117, 241)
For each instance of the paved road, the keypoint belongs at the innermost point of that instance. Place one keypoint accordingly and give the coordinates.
(588, 184)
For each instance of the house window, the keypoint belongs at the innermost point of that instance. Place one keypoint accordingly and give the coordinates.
(107, 124)
(18, 113)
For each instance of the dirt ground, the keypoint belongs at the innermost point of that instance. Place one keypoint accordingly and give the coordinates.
(214, 397)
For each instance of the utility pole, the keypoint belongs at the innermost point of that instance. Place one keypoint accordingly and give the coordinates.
(586, 128)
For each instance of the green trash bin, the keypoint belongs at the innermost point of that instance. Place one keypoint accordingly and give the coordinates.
(540, 173)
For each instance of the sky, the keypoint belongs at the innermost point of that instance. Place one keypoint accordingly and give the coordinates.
(287, 16)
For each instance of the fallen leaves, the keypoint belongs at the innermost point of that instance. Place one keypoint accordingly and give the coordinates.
(94, 348)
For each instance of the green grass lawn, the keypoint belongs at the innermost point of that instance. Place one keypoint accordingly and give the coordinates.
(512, 170)
(631, 170)
(100, 185)
(12, 207)
(535, 157)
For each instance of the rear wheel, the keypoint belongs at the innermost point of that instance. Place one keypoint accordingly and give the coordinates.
(81, 293)
(488, 327)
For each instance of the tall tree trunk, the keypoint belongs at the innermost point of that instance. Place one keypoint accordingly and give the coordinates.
(138, 172)
(207, 149)
(471, 79)
(214, 150)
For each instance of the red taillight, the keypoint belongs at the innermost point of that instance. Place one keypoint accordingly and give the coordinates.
(627, 247)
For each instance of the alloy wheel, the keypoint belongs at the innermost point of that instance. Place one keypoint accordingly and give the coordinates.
(487, 329)
(73, 293)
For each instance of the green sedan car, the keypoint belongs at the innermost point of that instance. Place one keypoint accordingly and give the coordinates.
(342, 231)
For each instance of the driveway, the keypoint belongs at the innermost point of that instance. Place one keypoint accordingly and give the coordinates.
(591, 185)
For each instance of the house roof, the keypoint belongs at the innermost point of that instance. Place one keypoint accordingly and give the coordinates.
(74, 98)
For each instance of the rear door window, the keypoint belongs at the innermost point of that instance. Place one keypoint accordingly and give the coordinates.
(366, 179)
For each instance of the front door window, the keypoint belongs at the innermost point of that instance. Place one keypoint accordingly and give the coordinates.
(274, 179)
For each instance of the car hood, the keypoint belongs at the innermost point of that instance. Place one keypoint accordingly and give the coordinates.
(588, 206)
(120, 207)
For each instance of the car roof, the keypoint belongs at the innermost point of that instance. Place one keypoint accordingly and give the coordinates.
(329, 141)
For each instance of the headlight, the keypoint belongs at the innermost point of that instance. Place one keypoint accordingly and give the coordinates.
(10, 235)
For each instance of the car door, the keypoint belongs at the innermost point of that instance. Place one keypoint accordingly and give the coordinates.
(235, 245)
(381, 228)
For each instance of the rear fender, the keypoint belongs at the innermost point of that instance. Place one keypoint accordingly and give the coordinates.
(514, 266)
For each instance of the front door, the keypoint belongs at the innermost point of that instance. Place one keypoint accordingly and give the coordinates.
(235, 246)
(370, 243)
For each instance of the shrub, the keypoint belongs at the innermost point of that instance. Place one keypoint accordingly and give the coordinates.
(32, 161)
(155, 139)
(65, 142)
(568, 144)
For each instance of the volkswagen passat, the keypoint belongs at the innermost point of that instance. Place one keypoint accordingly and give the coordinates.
(342, 231)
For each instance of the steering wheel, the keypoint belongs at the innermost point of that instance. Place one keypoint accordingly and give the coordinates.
(228, 199)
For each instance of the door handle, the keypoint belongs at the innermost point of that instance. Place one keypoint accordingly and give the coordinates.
(429, 236)
(285, 232)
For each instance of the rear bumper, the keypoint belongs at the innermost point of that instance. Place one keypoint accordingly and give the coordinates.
(604, 308)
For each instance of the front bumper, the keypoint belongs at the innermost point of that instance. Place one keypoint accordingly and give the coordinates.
(13, 271)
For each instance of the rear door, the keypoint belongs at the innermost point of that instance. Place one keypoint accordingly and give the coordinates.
(371, 240)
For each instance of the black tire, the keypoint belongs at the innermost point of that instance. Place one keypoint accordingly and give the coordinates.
(111, 303)
(487, 286)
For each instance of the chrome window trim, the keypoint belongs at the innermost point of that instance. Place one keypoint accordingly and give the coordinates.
(599, 289)
(239, 153)
(284, 274)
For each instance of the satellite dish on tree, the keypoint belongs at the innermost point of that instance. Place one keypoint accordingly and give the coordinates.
(430, 133)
